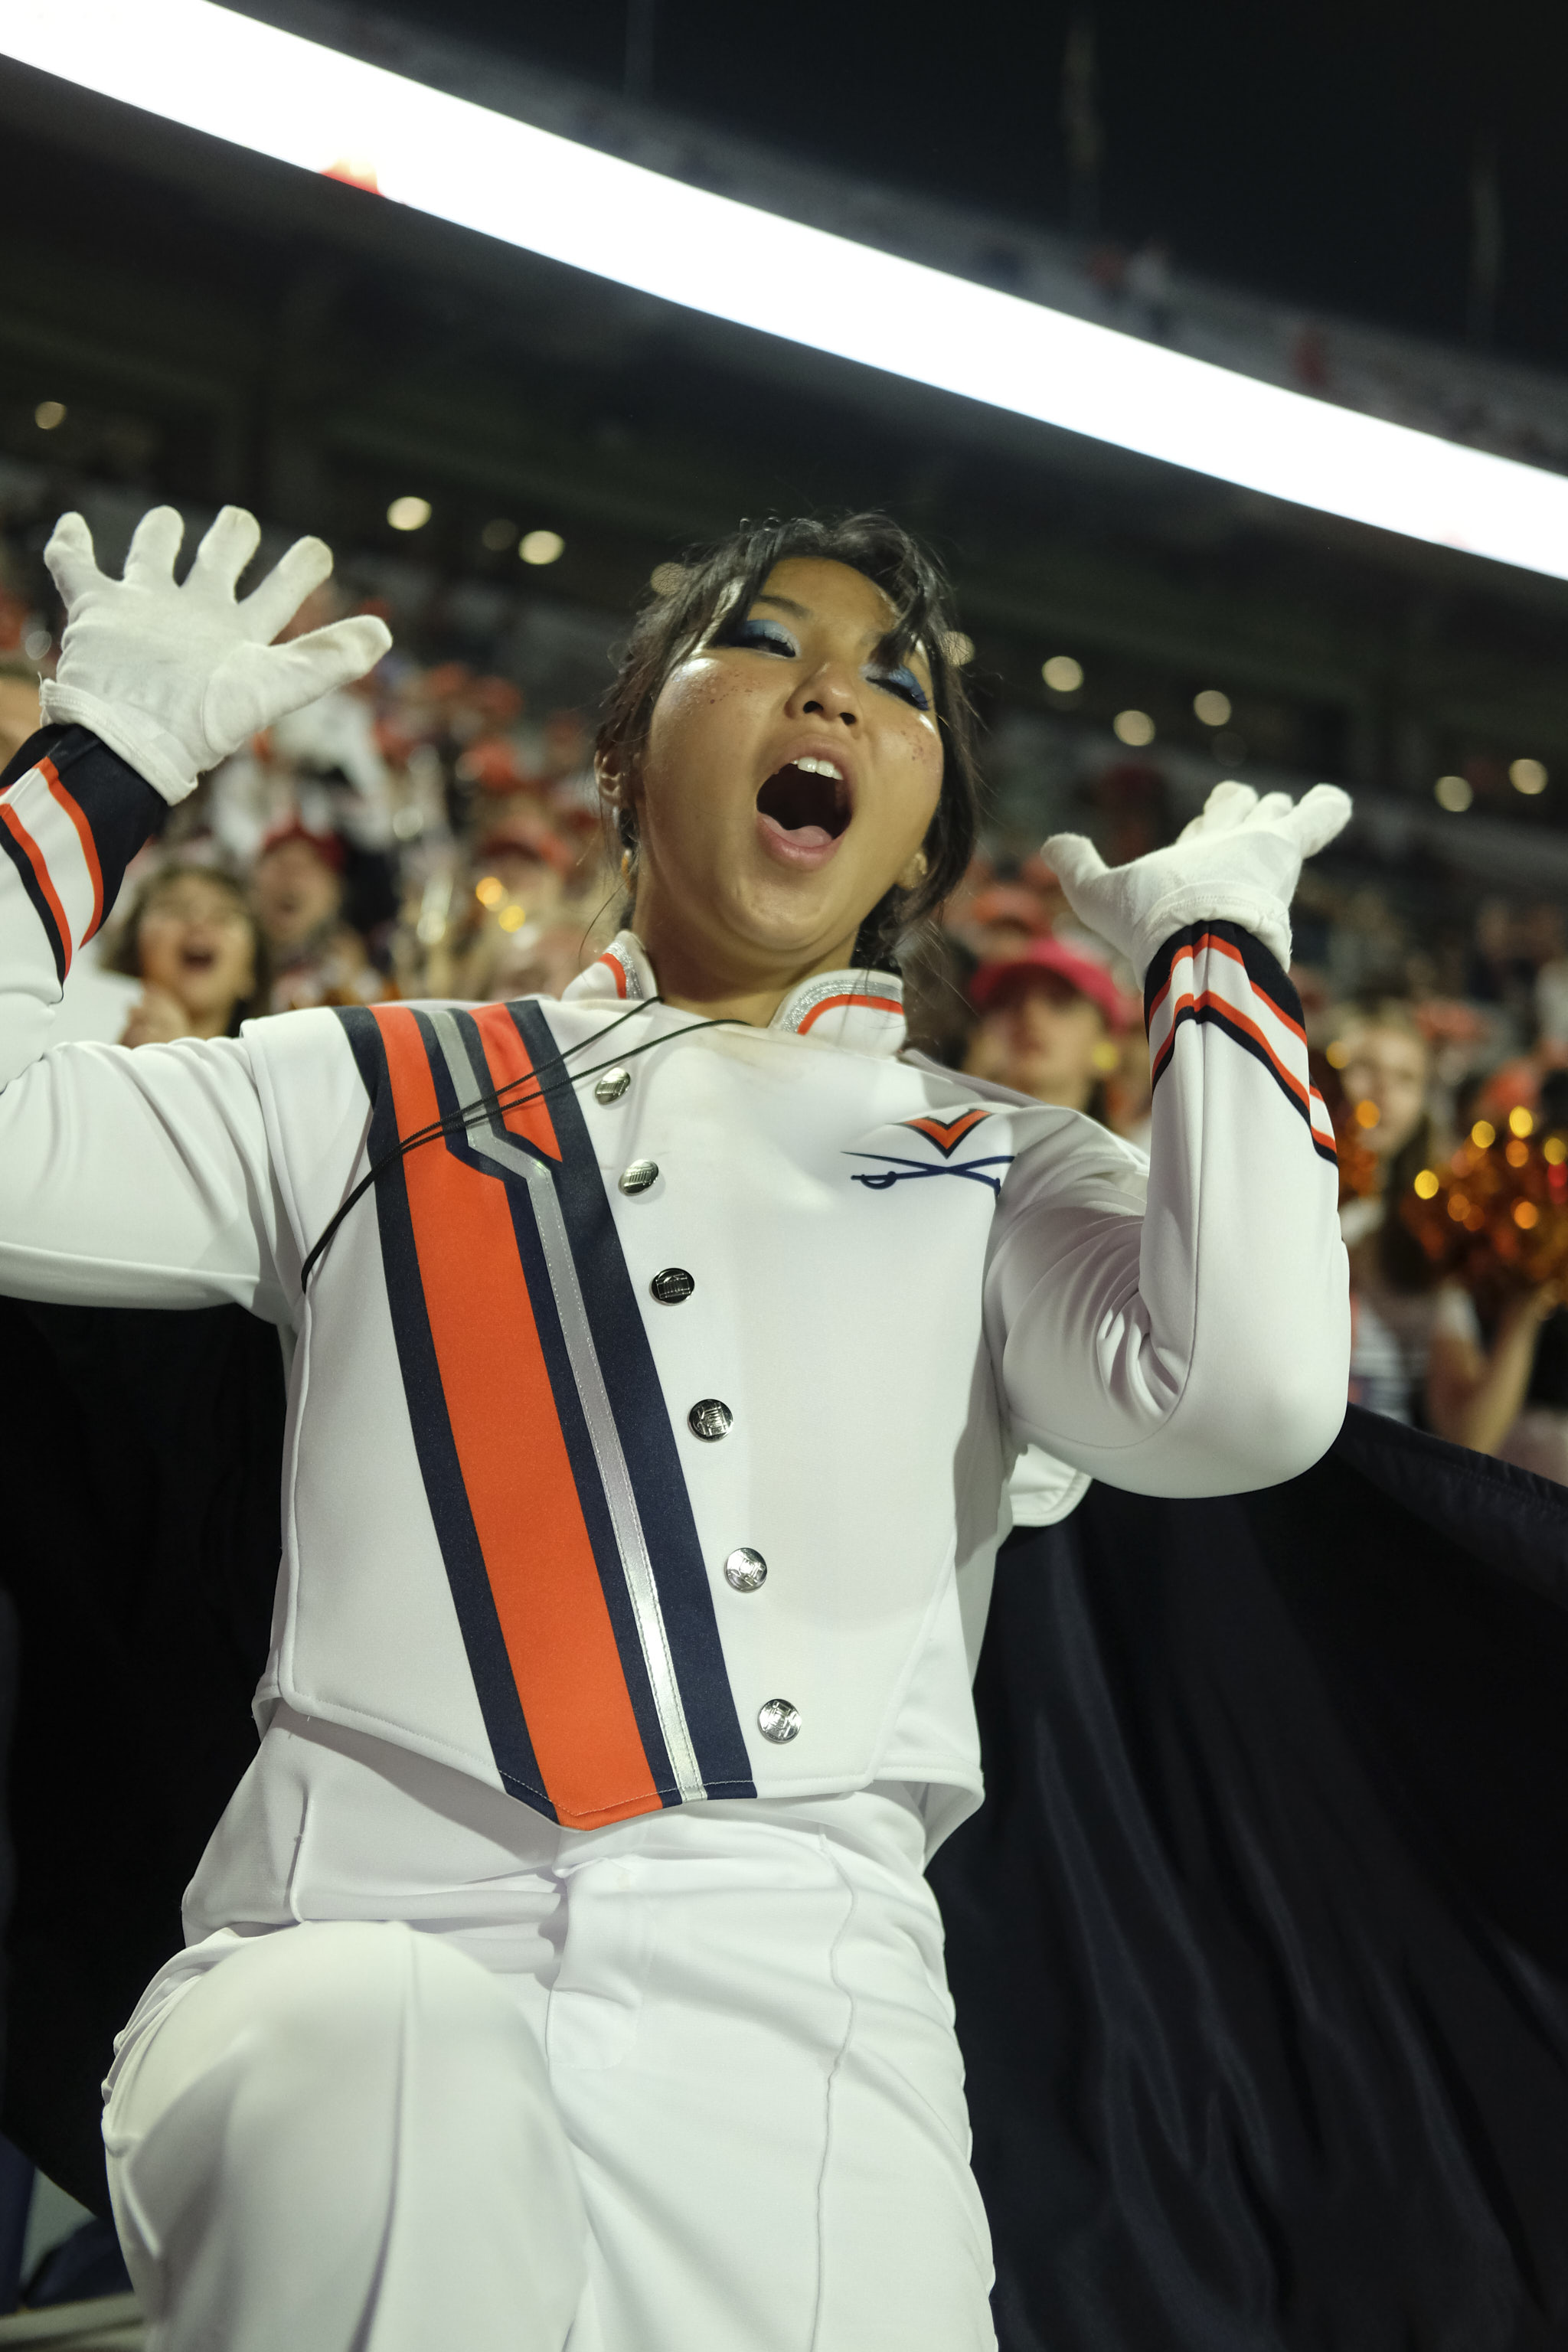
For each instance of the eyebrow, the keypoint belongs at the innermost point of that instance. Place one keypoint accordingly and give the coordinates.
(804, 613)
(785, 604)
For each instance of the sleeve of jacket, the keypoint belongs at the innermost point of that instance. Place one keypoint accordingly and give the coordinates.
(126, 1179)
(1202, 1347)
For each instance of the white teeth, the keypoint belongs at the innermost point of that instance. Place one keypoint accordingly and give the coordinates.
(811, 766)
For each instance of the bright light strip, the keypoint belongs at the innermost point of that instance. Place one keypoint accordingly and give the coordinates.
(192, 62)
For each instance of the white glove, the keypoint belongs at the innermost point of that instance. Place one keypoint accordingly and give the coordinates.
(1238, 863)
(175, 678)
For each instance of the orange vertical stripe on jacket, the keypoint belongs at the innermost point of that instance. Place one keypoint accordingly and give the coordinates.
(515, 1468)
(525, 1112)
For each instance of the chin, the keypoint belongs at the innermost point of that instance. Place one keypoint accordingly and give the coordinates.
(788, 923)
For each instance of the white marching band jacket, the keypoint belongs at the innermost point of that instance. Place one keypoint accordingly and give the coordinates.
(650, 1427)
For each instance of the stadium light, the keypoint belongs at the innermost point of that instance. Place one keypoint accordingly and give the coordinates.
(193, 62)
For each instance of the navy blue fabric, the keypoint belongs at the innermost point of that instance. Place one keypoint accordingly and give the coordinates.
(1260, 1942)
(87, 2265)
(143, 1454)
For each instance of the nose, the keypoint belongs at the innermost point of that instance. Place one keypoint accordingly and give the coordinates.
(832, 692)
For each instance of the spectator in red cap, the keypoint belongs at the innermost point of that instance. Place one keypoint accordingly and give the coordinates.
(318, 959)
(1050, 1018)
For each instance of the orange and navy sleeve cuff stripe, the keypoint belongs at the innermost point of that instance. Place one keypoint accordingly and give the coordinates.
(73, 816)
(1219, 976)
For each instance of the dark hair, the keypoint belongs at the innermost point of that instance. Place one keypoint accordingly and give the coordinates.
(125, 956)
(729, 576)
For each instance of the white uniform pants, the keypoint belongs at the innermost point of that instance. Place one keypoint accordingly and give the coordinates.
(451, 2076)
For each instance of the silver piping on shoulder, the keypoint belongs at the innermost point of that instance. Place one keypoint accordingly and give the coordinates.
(636, 1566)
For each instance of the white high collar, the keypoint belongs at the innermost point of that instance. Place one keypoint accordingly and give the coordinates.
(860, 1009)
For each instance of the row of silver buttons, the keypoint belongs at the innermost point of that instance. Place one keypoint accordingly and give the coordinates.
(745, 1571)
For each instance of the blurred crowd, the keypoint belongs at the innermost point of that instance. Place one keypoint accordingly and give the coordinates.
(429, 834)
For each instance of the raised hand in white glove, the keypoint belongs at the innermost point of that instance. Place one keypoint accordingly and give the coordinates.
(1238, 863)
(174, 678)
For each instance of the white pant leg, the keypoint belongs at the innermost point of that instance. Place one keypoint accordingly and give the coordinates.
(343, 2134)
(749, 2041)
(748, 2036)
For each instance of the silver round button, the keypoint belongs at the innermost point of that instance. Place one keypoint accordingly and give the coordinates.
(778, 1720)
(711, 1418)
(612, 1086)
(638, 1176)
(745, 1569)
(672, 1285)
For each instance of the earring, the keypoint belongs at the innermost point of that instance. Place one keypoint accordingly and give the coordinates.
(915, 872)
(628, 869)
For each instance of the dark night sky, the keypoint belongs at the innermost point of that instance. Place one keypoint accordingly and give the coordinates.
(1319, 152)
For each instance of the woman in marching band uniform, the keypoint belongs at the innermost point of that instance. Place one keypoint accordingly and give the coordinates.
(564, 1968)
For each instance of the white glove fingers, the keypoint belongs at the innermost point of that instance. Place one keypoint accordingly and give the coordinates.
(154, 543)
(1317, 816)
(1073, 859)
(225, 550)
(1271, 809)
(306, 668)
(273, 604)
(1228, 805)
(73, 566)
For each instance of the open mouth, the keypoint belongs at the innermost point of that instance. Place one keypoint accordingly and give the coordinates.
(198, 959)
(809, 800)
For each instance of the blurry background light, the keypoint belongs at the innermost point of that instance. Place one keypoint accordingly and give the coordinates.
(306, 104)
(1425, 1184)
(1134, 727)
(1062, 674)
(1521, 1121)
(490, 890)
(49, 413)
(1452, 792)
(666, 578)
(36, 644)
(408, 514)
(1528, 776)
(958, 649)
(1212, 706)
(542, 546)
(499, 535)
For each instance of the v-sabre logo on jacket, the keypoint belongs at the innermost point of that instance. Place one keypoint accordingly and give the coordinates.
(944, 1136)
